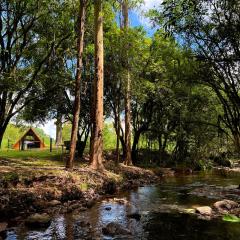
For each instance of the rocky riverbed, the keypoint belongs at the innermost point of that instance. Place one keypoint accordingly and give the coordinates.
(173, 209)
(35, 195)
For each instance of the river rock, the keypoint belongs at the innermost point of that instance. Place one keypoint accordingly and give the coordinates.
(136, 216)
(236, 211)
(225, 205)
(54, 203)
(205, 210)
(121, 201)
(38, 220)
(113, 229)
(3, 227)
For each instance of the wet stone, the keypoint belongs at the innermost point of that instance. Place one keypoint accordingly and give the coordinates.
(54, 203)
(225, 205)
(113, 229)
(205, 210)
(38, 220)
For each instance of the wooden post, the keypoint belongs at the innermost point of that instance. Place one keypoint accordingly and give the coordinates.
(51, 141)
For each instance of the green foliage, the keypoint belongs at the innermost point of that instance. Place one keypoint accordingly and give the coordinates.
(66, 132)
(177, 116)
(208, 30)
(231, 218)
(109, 137)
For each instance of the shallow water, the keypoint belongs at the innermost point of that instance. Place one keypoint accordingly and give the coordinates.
(159, 207)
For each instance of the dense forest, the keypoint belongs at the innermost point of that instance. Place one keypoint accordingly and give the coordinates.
(177, 90)
(119, 94)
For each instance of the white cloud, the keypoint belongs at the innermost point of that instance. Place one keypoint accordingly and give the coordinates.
(50, 128)
(144, 8)
(150, 4)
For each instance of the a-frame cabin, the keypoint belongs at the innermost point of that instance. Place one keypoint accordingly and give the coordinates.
(29, 140)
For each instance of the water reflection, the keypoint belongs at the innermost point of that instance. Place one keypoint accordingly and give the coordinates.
(159, 218)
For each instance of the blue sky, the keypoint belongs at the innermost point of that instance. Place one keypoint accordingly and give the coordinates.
(137, 15)
(136, 19)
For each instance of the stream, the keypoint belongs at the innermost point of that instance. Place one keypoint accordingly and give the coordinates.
(159, 207)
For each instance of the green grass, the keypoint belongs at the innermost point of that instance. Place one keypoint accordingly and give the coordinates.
(34, 157)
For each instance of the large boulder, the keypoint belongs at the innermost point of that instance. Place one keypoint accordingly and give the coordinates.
(205, 210)
(225, 205)
(38, 220)
(113, 229)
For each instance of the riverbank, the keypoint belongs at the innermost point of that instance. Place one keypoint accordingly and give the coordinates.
(27, 189)
(146, 212)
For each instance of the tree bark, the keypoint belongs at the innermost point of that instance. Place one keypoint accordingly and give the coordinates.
(3, 127)
(80, 46)
(96, 154)
(118, 136)
(134, 146)
(128, 157)
(82, 141)
(59, 127)
(1, 136)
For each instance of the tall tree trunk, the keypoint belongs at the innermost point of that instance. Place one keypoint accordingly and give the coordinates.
(96, 154)
(59, 128)
(1, 136)
(134, 146)
(128, 158)
(80, 46)
(118, 133)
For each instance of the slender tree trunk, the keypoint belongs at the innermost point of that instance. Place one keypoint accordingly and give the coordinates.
(59, 128)
(134, 146)
(3, 128)
(128, 158)
(118, 134)
(123, 146)
(96, 154)
(82, 141)
(1, 136)
(80, 46)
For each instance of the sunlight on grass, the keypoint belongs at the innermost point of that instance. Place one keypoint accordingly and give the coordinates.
(34, 157)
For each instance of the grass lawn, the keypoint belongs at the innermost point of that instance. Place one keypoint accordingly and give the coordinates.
(34, 157)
